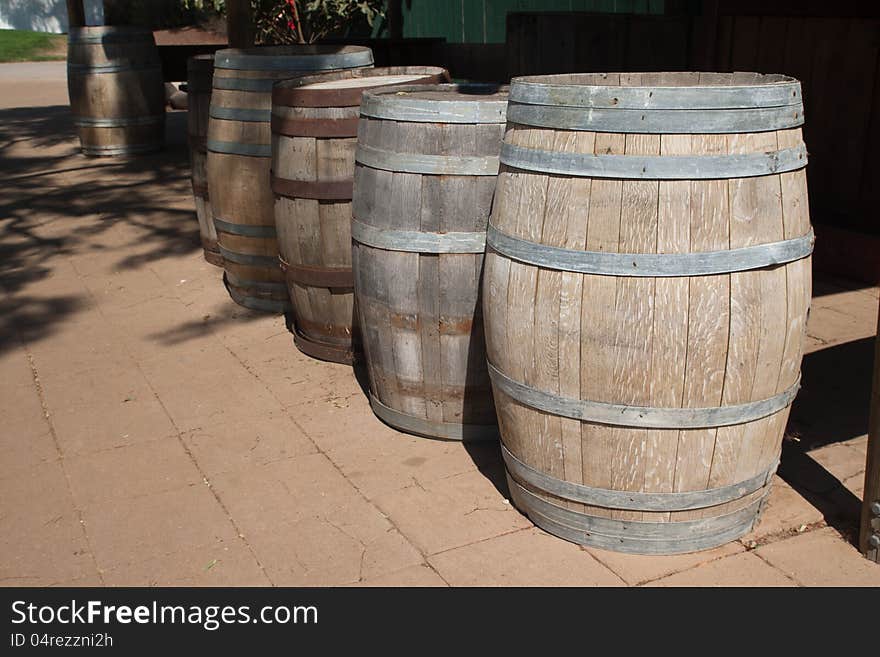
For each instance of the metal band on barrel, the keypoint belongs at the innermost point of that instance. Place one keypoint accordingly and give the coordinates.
(246, 230)
(643, 417)
(417, 241)
(604, 263)
(87, 122)
(239, 114)
(323, 350)
(457, 165)
(423, 110)
(330, 128)
(248, 259)
(655, 167)
(696, 97)
(678, 121)
(128, 149)
(634, 500)
(313, 276)
(256, 303)
(113, 68)
(430, 428)
(635, 537)
(261, 85)
(322, 190)
(260, 286)
(269, 61)
(238, 148)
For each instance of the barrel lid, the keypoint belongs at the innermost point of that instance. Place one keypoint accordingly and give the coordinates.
(344, 88)
(293, 58)
(439, 103)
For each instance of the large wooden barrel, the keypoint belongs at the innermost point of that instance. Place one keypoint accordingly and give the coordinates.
(426, 165)
(239, 159)
(646, 289)
(314, 134)
(117, 96)
(200, 71)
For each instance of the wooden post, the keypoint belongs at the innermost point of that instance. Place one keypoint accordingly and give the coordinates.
(239, 24)
(76, 14)
(869, 541)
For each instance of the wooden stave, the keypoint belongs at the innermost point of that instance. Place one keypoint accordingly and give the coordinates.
(200, 69)
(260, 286)
(126, 59)
(513, 417)
(323, 317)
(425, 405)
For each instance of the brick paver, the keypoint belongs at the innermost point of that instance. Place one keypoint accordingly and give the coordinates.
(154, 433)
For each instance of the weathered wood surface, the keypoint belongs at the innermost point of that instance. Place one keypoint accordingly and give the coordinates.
(239, 161)
(676, 342)
(200, 71)
(76, 14)
(419, 312)
(314, 134)
(117, 95)
(869, 537)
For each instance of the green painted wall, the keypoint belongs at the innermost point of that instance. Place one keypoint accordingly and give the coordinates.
(484, 21)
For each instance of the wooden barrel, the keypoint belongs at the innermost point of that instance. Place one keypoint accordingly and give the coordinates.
(426, 165)
(117, 96)
(200, 71)
(646, 289)
(239, 159)
(314, 134)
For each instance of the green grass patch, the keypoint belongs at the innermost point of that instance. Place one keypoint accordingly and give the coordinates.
(23, 46)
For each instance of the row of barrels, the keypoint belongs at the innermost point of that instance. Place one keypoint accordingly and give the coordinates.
(615, 268)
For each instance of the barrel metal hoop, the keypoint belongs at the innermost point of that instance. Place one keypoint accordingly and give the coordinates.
(677, 121)
(431, 429)
(452, 165)
(292, 63)
(112, 68)
(715, 97)
(634, 501)
(133, 37)
(654, 167)
(239, 148)
(128, 149)
(239, 114)
(313, 276)
(422, 110)
(644, 417)
(248, 259)
(322, 350)
(635, 537)
(415, 241)
(87, 122)
(246, 230)
(260, 85)
(330, 128)
(256, 303)
(260, 286)
(705, 263)
(322, 190)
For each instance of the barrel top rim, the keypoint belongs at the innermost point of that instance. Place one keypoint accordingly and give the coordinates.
(109, 29)
(557, 80)
(351, 73)
(293, 50)
(476, 92)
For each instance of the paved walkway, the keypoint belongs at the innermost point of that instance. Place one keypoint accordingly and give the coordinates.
(153, 432)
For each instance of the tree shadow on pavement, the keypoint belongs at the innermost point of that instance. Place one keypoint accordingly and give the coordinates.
(58, 203)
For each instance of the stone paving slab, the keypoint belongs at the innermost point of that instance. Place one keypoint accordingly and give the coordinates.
(152, 432)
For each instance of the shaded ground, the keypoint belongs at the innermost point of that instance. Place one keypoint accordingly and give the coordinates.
(156, 433)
